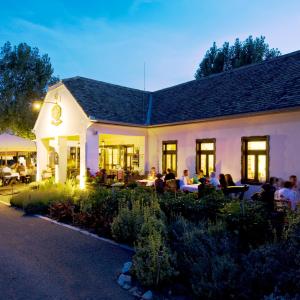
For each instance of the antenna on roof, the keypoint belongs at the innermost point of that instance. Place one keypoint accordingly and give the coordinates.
(144, 109)
(144, 76)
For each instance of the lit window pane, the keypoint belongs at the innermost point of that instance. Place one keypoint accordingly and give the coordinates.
(210, 163)
(203, 163)
(173, 167)
(262, 167)
(207, 146)
(171, 147)
(168, 161)
(257, 145)
(115, 156)
(251, 166)
(129, 149)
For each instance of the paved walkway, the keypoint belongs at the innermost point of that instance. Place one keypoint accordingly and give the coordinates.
(42, 260)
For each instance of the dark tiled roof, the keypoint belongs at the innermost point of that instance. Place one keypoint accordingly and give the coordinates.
(109, 102)
(271, 85)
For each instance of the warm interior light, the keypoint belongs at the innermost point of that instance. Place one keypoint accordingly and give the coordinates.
(37, 105)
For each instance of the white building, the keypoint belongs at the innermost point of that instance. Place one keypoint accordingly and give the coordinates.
(245, 122)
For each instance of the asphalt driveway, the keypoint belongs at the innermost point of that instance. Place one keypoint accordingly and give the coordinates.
(42, 260)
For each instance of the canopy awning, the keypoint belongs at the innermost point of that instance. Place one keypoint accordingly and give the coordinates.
(13, 143)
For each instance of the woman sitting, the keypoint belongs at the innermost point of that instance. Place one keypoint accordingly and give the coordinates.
(223, 182)
(229, 180)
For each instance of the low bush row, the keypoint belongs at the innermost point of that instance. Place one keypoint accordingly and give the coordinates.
(216, 248)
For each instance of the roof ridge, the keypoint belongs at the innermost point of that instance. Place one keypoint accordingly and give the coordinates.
(103, 82)
(233, 70)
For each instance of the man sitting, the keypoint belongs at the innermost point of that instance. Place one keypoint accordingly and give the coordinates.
(185, 179)
(170, 175)
(287, 194)
(159, 184)
(213, 180)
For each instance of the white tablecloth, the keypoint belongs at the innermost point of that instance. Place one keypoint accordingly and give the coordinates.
(146, 182)
(190, 188)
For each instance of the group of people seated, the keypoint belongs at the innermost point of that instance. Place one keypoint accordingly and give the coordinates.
(222, 182)
(282, 191)
(17, 171)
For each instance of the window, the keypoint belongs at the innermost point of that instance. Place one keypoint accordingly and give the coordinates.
(206, 155)
(255, 159)
(169, 156)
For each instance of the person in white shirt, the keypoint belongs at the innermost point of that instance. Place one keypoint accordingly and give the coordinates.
(6, 170)
(287, 193)
(213, 180)
(185, 180)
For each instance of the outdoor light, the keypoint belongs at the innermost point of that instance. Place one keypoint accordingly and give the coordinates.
(37, 105)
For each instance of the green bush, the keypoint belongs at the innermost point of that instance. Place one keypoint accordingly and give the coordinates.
(153, 261)
(127, 224)
(205, 258)
(250, 222)
(207, 207)
(38, 201)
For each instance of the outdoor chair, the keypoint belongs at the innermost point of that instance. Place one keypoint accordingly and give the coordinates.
(281, 205)
(236, 190)
(171, 185)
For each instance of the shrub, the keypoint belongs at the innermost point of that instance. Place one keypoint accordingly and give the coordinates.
(37, 201)
(250, 223)
(206, 258)
(128, 223)
(153, 260)
(208, 207)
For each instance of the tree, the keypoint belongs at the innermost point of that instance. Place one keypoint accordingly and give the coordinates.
(24, 77)
(217, 60)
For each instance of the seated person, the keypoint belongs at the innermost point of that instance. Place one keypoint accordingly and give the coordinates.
(170, 175)
(159, 184)
(223, 182)
(185, 180)
(229, 180)
(6, 170)
(287, 193)
(152, 174)
(22, 171)
(294, 181)
(199, 177)
(213, 180)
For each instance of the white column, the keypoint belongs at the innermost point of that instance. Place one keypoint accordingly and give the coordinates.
(92, 150)
(61, 167)
(41, 158)
(82, 176)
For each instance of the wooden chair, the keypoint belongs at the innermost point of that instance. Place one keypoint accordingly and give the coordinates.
(171, 185)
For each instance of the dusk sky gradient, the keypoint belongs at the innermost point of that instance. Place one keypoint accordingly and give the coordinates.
(111, 40)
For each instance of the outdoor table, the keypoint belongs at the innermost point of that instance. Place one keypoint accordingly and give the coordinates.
(192, 188)
(8, 178)
(146, 182)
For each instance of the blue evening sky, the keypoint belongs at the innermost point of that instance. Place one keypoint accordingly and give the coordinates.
(110, 40)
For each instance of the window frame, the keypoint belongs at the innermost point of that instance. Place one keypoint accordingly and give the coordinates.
(200, 152)
(244, 158)
(165, 152)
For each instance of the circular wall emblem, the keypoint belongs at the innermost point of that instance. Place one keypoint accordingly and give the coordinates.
(56, 115)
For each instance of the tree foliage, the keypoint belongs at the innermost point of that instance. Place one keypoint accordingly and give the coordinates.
(217, 60)
(24, 77)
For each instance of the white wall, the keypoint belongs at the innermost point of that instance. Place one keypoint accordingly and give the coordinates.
(283, 129)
